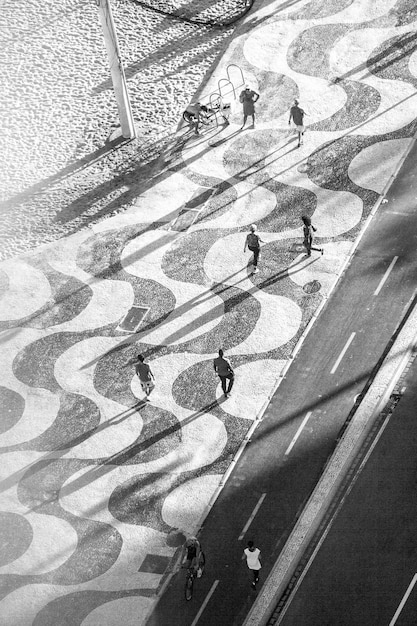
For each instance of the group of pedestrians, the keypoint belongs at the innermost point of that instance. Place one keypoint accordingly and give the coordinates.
(253, 241)
(196, 113)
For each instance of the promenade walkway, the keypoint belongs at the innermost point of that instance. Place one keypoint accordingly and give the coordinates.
(98, 488)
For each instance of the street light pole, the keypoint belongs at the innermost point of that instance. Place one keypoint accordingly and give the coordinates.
(116, 69)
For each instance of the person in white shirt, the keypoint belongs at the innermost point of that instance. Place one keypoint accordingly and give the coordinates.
(252, 556)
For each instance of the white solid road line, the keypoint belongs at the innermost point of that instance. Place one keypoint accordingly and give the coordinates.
(254, 512)
(297, 434)
(385, 276)
(342, 354)
(203, 606)
(403, 601)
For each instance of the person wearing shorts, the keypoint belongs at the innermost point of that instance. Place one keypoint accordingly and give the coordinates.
(195, 114)
(253, 243)
(145, 375)
(225, 372)
(297, 115)
(252, 556)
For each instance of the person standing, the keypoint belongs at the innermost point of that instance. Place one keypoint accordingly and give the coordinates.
(225, 372)
(309, 230)
(248, 97)
(253, 243)
(145, 375)
(252, 556)
(297, 115)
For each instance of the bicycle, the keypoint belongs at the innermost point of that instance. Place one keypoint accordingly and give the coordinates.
(192, 574)
(209, 114)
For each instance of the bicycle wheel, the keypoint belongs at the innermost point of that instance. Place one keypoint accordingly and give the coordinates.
(189, 582)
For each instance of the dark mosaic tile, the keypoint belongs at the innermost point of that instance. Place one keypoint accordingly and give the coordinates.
(391, 59)
(404, 12)
(154, 564)
(237, 318)
(12, 406)
(284, 90)
(292, 202)
(160, 435)
(78, 419)
(195, 389)
(309, 52)
(245, 157)
(185, 261)
(361, 104)
(98, 545)
(139, 500)
(328, 166)
(69, 297)
(100, 257)
(34, 364)
(114, 371)
(221, 199)
(72, 609)
(15, 536)
(273, 277)
(318, 9)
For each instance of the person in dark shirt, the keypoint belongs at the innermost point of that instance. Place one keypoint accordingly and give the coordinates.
(309, 230)
(297, 115)
(145, 375)
(253, 243)
(248, 97)
(225, 372)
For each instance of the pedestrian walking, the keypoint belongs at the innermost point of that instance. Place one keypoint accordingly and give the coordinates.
(297, 115)
(253, 243)
(225, 372)
(252, 556)
(145, 375)
(309, 231)
(248, 97)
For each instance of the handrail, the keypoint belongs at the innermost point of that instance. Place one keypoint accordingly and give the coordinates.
(227, 80)
(240, 70)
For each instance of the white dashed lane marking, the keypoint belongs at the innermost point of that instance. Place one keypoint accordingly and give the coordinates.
(342, 354)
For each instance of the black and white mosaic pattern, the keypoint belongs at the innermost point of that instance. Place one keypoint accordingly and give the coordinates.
(94, 481)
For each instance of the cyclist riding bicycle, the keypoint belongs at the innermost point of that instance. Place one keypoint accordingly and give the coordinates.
(193, 550)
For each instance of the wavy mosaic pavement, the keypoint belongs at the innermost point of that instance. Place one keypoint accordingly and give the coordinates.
(94, 482)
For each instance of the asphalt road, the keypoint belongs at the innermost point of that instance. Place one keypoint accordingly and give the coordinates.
(365, 572)
(288, 451)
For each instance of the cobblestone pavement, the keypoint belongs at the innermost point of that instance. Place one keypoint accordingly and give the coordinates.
(96, 483)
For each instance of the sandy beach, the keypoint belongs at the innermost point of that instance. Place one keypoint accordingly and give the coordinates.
(58, 172)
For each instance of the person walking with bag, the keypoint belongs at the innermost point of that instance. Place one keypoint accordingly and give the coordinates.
(252, 556)
(225, 372)
(309, 231)
(253, 243)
